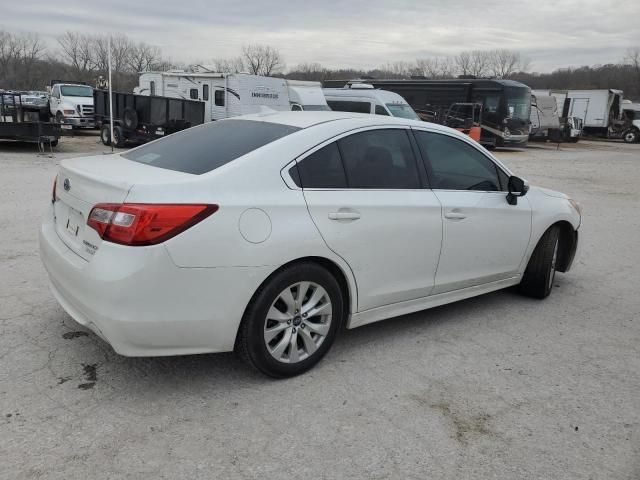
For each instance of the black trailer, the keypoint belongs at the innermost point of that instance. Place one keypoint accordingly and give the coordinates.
(25, 123)
(141, 118)
(506, 104)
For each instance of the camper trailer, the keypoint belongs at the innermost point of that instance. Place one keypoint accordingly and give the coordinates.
(231, 94)
(545, 121)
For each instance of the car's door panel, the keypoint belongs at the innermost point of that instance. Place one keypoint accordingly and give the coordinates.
(484, 238)
(390, 238)
(392, 248)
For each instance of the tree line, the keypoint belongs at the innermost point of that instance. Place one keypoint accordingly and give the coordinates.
(26, 63)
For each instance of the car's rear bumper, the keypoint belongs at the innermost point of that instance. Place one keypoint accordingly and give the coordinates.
(142, 304)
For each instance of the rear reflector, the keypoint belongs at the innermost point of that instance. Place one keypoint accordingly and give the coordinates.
(140, 224)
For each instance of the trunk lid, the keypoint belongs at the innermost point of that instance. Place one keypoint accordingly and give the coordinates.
(84, 182)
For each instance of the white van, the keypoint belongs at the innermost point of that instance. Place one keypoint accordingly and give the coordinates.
(363, 98)
(306, 95)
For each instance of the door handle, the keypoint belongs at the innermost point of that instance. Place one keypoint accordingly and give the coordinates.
(342, 215)
(455, 215)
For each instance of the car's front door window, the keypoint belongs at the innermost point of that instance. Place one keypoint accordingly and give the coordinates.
(452, 164)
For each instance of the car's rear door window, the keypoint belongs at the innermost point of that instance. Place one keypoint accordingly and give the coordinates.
(381, 158)
(202, 149)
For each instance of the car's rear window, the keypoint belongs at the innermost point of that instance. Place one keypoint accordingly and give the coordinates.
(202, 149)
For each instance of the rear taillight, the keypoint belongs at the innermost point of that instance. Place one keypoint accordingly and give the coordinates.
(140, 224)
(53, 191)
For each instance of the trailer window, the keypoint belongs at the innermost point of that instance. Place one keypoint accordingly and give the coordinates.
(202, 149)
(219, 98)
(193, 94)
(205, 93)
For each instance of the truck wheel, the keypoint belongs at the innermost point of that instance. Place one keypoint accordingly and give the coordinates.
(118, 137)
(105, 135)
(631, 136)
(59, 117)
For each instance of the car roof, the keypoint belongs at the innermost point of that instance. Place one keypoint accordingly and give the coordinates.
(309, 119)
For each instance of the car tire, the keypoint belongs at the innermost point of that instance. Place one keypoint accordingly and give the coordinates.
(118, 137)
(537, 280)
(105, 135)
(271, 327)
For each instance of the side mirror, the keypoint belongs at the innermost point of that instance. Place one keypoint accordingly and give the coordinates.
(517, 188)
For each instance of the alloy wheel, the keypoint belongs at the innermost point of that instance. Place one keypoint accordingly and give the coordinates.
(297, 322)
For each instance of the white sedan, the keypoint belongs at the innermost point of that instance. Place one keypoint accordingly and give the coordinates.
(265, 234)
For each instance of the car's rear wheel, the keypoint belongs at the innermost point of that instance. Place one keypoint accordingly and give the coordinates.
(538, 278)
(291, 321)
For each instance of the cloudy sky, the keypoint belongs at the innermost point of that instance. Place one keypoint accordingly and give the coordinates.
(358, 33)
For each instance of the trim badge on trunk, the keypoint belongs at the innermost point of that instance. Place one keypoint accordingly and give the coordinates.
(67, 184)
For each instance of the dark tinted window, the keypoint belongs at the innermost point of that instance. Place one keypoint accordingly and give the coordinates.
(202, 149)
(193, 93)
(379, 159)
(219, 98)
(454, 165)
(152, 88)
(349, 106)
(380, 110)
(205, 92)
(322, 169)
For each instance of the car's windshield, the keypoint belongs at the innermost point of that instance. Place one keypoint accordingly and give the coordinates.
(76, 91)
(518, 103)
(402, 111)
(204, 148)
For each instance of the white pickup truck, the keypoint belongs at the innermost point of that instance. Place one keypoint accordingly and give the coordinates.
(72, 105)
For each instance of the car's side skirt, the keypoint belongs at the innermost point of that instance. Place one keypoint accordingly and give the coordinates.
(403, 308)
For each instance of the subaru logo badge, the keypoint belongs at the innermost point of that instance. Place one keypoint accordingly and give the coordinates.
(67, 184)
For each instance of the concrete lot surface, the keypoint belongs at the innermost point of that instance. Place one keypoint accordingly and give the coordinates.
(497, 387)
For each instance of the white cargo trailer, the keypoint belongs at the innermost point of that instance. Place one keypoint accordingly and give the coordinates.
(545, 121)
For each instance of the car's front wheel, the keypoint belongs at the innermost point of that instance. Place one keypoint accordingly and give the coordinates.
(291, 321)
(537, 280)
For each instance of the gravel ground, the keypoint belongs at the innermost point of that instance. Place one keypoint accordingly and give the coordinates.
(498, 386)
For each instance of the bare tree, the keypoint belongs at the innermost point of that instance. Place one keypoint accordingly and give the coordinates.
(429, 67)
(142, 57)
(262, 59)
(463, 62)
(504, 63)
(633, 58)
(76, 50)
(228, 65)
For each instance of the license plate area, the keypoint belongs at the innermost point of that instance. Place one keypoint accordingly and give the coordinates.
(74, 222)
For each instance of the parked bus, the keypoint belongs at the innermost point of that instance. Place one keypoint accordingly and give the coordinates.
(506, 105)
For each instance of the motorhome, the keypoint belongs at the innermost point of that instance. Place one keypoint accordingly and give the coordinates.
(231, 94)
(364, 98)
(506, 105)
